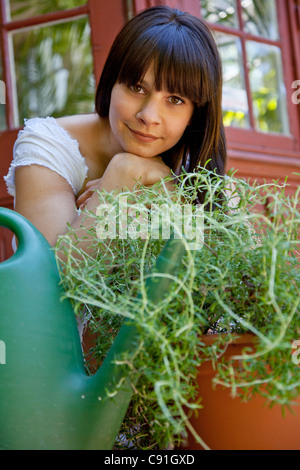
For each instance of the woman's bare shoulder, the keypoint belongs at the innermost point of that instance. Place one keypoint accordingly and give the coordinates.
(77, 119)
(79, 124)
(86, 130)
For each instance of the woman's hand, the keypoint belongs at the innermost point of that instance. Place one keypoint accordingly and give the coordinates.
(124, 171)
(116, 176)
(90, 187)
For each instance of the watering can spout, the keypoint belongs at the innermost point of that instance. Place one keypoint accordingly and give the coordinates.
(46, 399)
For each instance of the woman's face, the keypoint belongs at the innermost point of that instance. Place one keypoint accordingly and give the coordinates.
(145, 121)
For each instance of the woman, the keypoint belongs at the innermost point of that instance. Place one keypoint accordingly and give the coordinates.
(158, 109)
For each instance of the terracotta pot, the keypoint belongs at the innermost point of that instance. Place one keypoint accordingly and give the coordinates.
(226, 423)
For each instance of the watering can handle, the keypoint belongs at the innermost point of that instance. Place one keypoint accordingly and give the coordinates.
(27, 235)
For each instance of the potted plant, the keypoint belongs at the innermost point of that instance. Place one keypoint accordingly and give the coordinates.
(241, 282)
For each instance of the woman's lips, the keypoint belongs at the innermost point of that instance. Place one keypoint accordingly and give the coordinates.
(147, 138)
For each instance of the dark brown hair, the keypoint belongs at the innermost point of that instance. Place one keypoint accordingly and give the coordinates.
(187, 62)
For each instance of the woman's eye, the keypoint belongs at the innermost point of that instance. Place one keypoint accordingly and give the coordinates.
(176, 100)
(136, 88)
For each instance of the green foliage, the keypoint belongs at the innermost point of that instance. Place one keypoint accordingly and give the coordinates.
(244, 279)
(54, 70)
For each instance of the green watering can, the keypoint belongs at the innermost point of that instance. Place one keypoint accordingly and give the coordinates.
(47, 401)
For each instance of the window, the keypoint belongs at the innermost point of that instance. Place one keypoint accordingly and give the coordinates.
(259, 45)
(256, 92)
(46, 75)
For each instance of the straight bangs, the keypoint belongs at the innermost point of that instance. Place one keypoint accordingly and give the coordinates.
(178, 65)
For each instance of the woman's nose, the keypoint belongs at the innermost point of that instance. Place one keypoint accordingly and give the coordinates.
(150, 112)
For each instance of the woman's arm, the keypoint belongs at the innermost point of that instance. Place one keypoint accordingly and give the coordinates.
(47, 200)
(122, 173)
(150, 172)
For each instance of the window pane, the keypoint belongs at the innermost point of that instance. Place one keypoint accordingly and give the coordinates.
(54, 70)
(2, 96)
(21, 9)
(235, 103)
(267, 87)
(260, 17)
(220, 11)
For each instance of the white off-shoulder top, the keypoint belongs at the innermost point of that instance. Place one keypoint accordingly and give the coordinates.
(43, 142)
